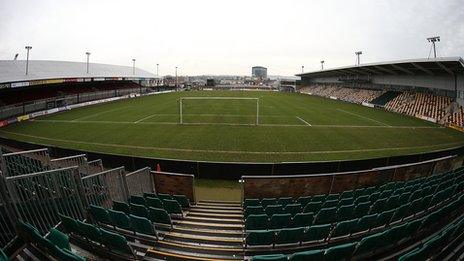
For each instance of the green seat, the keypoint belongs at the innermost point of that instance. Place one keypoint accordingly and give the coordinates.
(330, 203)
(183, 201)
(149, 195)
(285, 201)
(384, 218)
(268, 201)
(311, 255)
(172, 207)
(256, 210)
(260, 237)
(379, 206)
(361, 199)
(404, 197)
(317, 233)
(385, 194)
(369, 244)
(292, 209)
(3, 256)
(347, 194)
(415, 207)
(273, 209)
(413, 226)
(164, 196)
(393, 202)
(374, 196)
(345, 212)
(345, 201)
(142, 225)
(362, 209)
(319, 198)
(359, 192)
(331, 197)
(256, 222)
(89, 231)
(119, 219)
(271, 257)
(326, 215)
(313, 207)
(139, 210)
(289, 235)
(59, 239)
(340, 252)
(139, 200)
(401, 212)
(303, 220)
(414, 255)
(280, 221)
(69, 224)
(393, 235)
(251, 202)
(365, 223)
(159, 215)
(121, 206)
(344, 228)
(154, 202)
(116, 242)
(303, 201)
(99, 214)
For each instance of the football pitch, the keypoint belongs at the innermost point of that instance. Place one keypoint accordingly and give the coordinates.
(271, 127)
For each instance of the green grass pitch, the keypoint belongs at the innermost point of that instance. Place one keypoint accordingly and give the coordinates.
(292, 127)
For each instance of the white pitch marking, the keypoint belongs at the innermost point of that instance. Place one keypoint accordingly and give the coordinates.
(364, 117)
(146, 118)
(307, 123)
(97, 114)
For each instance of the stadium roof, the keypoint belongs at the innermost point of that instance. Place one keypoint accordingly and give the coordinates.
(432, 67)
(14, 71)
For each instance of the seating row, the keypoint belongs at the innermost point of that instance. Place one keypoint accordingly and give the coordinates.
(183, 201)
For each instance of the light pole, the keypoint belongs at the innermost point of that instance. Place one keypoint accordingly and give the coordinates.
(322, 65)
(157, 69)
(302, 69)
(358, 57)
(133, 66)
(27, 58)
(88, 55)
(176, 78)
(433, 40)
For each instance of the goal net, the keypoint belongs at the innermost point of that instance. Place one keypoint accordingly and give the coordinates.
(219, 110)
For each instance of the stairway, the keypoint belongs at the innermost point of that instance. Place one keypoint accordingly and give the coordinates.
(386, 97)
(210, 230)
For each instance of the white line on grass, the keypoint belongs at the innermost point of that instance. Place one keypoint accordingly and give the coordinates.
(146, 118)
(307, 123)
(227, 151)
(246, 124)
(364, 117)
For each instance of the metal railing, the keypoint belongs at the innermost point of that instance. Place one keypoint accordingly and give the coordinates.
(140, 181)
(102, 188)
(95, 166)
(78, 160)
(25, 162)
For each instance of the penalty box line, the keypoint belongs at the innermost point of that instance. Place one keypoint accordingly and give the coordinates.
(305, 122)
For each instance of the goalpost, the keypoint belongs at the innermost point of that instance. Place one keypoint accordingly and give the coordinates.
(181, 121)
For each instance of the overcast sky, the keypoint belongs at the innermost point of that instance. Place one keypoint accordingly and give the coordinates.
(229, 37)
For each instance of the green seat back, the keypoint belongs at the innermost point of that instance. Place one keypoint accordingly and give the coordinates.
(285, 201)
(370, 243)
(69, 224)
(59, 239)
(260, 237)
(268, 201)
(115, 242)
(330, 203)
(154, 202)
(340, 252)
(253, 210)
(292, 209)
(139, 210)
(394, 234)
(278, 221)
(345, 201)
(119, 219)
(256, 222)
(183, 201)
(326, 215)
(311, 255)
(347, 194)
(89, 231)
(99, 214)
(313, 207)
(251, 202)
(149, 195)
(3, 256)
(365, 223)
(121, 206)
(344, 228)
(362, 209)
(139, 200)
(159, 215)
(289, 235)
(317, 233)
(361, 199)
(303, 201)
(319, 198)
(384, 218)
(331, 197)
(414, 255)
(345, 212)
(273, 209)
(164, 196)
(142, 225)
(379, 206)
(271, 257)
(401, 212)
(172, 207)
(303, 219)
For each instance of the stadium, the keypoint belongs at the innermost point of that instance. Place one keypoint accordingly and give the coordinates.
(100, 161)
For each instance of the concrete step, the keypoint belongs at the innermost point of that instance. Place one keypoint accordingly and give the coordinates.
(208, 232)
(175, 255)
(198, 206)
(214, 215)
(217, 211)
(202, 248)
(221, 226)
(208, 220)
(219, 204)
(211, 240)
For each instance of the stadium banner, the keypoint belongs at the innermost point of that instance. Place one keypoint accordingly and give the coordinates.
(456, 127)
(5, 85)
(71, 80)
(3, 123)
(368, 104)
(23, 118)
(98, 79)
(426, 118)
(333, 98)
(19, 84)
(12, 120)
(38, 114)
